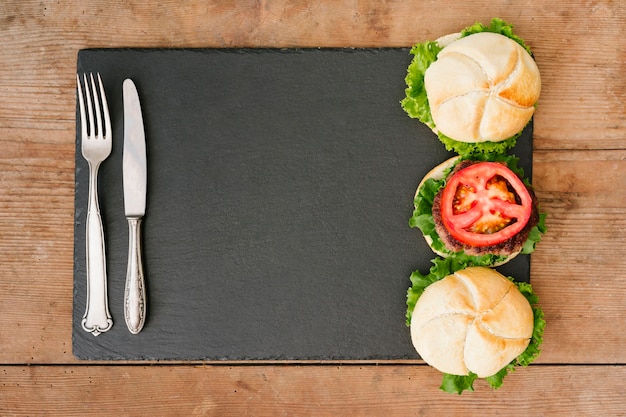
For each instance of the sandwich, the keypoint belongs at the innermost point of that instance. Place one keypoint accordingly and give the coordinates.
(476, 89)
(479, 208)
(473, 322)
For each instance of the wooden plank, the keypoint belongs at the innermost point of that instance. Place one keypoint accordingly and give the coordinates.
(350, 390)
(577, 268)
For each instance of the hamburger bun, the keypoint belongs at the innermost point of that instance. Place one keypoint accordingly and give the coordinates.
(474, 320)
(482, 87)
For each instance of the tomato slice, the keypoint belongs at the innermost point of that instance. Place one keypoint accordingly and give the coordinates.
(485, 204)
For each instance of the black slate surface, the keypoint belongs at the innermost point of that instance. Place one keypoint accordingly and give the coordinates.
(280, 184)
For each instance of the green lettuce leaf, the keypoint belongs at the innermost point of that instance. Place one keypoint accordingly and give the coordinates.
(496, 25)
(466, 148)
(443, 267)
(534, 236)
(456, 384)
(415, 103)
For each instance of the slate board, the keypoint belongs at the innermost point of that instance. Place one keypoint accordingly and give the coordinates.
(280, 184)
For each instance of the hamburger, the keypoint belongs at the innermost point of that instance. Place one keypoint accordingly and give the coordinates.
(473, 323)
(479, 208)
(476, 89)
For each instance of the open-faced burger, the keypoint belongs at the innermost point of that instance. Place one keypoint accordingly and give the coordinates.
(481, 207)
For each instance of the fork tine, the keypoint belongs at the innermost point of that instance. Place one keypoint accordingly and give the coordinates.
(81, 103)
(96, 102)
(89, 106)
(105, 109)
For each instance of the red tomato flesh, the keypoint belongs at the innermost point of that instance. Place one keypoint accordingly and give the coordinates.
(485, 204)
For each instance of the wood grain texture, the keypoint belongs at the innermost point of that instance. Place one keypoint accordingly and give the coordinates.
(332, 390)
(580, 138)
(576, 269)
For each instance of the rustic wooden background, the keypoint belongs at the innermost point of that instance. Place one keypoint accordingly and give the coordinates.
(579, 270)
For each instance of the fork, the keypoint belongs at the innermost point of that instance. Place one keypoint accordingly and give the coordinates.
(95, 147)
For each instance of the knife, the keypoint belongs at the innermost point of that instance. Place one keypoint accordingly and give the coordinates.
(135, 180)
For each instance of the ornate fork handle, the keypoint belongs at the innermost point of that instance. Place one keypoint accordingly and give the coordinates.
(97, 318)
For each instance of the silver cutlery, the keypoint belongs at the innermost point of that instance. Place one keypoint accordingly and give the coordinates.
(96, 141)
(135, 180)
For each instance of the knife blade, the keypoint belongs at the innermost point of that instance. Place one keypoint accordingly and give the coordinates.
(134, 168)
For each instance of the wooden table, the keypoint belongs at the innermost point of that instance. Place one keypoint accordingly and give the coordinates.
(579, 269)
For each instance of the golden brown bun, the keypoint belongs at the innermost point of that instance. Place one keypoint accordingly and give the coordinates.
(483, 87)
(438, 173)
(473, 320)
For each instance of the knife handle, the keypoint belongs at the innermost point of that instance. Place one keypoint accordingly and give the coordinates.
(135, 289)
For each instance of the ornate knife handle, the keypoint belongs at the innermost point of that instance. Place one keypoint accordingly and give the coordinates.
(97, 318)
(135, 290)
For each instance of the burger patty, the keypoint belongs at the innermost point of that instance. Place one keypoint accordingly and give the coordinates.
(505, 248)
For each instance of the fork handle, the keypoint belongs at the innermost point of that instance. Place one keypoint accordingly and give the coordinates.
(97, 318)
(135, 289)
